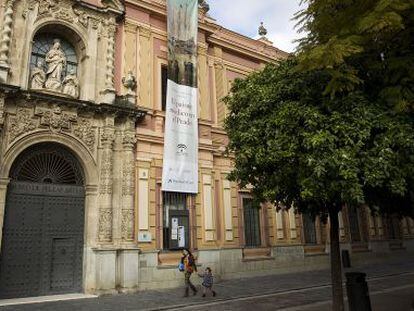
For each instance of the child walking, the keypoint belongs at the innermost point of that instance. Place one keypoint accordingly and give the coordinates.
(207, 282)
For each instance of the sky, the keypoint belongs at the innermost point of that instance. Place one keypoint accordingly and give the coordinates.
(244, 16)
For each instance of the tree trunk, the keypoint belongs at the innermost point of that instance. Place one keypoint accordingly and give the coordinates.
(336, 270)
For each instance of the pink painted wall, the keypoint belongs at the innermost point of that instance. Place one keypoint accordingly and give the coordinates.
(241, 60)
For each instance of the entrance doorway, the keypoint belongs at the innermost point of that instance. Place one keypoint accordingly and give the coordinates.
(176, 221)
(42, 242)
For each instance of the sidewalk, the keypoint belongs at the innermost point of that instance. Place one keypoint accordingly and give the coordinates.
(286, 285)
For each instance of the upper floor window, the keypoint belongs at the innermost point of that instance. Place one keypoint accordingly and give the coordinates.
(164, 81)
(54, 65)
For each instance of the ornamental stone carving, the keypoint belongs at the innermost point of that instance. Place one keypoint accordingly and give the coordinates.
(63, 10)
(105, 225)
(85, 132)
(129, 139)
(128, 178)
(1, 110)
(65, 14)
(47, 6)
(6, 33)
(106, 172)
(71, 85)
(127, 226)
(108, 137)
(5, 39)
(38, 76)
(262, 30)
(82, 17)
(130, 83)
(110, 56)
(22, 123)
(96, 23)
(55, 119)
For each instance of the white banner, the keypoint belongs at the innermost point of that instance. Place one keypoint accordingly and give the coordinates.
(180, 163)
(180, 171)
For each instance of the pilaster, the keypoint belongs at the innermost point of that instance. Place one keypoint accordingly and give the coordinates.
(128, 183)
(106, 182)
(145, 67)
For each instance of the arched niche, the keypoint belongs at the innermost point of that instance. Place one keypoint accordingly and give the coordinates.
(74, 48)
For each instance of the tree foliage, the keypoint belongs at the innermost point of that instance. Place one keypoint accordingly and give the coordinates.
(298, 147)
(295, 145)
(361, 44)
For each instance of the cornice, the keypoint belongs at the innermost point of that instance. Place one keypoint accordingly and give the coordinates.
(102, 9)
(119, 108)
(244, 50)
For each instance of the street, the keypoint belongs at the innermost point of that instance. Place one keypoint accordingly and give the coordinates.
(391, 287)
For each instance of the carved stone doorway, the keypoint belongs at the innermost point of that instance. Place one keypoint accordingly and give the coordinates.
(42, 244)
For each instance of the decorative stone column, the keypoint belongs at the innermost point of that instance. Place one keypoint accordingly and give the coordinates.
(109, 91)
(128, 183)
(105, 187)
(5, 38)
(2, 99)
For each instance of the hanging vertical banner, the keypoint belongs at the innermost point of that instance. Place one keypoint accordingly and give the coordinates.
(180, 164)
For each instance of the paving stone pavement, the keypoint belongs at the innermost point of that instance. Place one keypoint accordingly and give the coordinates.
(270, 292)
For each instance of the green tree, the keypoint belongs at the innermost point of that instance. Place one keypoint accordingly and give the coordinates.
(297, 147)
(361, 44)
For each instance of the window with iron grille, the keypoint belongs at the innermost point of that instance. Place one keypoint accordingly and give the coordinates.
(175, 206)
(251, 223)
(354, 223)
(309, 228)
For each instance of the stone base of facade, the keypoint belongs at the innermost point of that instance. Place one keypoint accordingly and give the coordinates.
(123, 271)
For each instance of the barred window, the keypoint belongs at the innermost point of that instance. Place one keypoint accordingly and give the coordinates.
(251, 223)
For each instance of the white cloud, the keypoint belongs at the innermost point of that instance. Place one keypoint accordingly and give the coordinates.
(244, 16)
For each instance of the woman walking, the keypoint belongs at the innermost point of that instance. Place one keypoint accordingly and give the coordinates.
(189, 267)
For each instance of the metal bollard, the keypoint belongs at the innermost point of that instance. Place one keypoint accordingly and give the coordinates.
(357, 291)
(346, 260)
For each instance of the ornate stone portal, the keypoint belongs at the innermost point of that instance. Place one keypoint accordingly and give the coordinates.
(60, 89)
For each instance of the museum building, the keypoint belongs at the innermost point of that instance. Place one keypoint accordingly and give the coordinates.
(82, 111)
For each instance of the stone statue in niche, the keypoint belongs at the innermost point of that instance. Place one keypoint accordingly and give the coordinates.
(71, 85)
(38, 76)
(56, 62)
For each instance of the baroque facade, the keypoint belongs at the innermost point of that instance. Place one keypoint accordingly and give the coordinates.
(82, 108)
